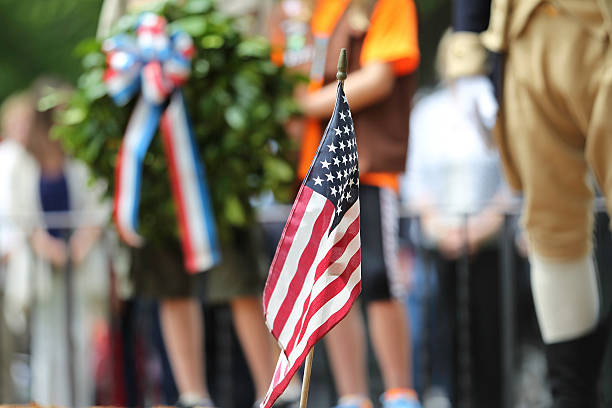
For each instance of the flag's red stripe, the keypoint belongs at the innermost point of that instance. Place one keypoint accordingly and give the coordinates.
(332, 256)
(316, 336)
(284, 245)
(306, 260)
(179, 200)
(338, 249)
(330, 291)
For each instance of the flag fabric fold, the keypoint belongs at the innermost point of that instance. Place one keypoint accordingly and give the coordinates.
(316, 273)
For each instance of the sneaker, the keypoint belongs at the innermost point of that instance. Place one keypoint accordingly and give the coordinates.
(354, 401)
(195, 403)
(400, 398)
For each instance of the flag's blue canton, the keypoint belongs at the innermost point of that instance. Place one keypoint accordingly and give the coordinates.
(335, 172)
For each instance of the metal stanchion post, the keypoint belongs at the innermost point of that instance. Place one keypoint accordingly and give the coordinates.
(464, 323)
(69, 297)
(507, 310)
(428, 264)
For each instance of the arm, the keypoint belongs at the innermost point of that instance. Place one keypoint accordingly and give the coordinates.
(484, 225)
(364, 87)
(97, 209)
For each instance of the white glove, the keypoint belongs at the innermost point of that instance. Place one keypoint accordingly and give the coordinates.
(476, 97)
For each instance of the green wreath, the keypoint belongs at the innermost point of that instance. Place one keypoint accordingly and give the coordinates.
(238, 101)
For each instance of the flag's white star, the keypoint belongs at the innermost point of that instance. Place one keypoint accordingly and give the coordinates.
(330, 177)
(318, 181)
(351, 182)
(333, 191)
(342, 196)
(346, 173)
(339, 209)
(348, 195)
(346, 130)
(342, 116)
(325, 164)
(344, 159)
(338, 131)
(344, 97)
(342, 145)
(349, 114)
(352, 128)
(332, 148)
(336, 161)
(339, 175)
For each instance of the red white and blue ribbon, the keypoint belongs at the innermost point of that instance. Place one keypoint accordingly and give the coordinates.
(157, 65)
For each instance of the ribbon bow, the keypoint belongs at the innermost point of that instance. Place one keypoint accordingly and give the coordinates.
(157, 65)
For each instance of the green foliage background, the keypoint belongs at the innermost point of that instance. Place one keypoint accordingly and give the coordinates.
(238, 101)
(38, 36)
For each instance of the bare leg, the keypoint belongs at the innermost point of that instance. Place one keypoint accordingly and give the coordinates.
(255, 340)
(347, 353)
(181, 321)
(390, 340)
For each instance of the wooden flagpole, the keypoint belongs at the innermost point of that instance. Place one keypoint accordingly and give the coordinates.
(340, 76)
(306, 379)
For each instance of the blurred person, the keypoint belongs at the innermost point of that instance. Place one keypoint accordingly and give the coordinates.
(381, 42)
(15, 119)
(158, 272)
(455, 186)
(554, 134)
(49, 181)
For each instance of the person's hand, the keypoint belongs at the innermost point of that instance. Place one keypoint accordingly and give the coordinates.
(481, 228)
(81, 243)
(295, 128)
(452, 243)
(49, 248)
(476, 98)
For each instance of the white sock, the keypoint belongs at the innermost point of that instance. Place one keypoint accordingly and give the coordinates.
(192, 398)
(566, 297)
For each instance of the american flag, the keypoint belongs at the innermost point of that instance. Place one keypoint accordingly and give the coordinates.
(316, 272)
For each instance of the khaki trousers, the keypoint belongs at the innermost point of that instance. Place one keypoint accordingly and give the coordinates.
(556, 123)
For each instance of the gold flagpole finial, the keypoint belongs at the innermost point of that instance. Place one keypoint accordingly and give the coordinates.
(342, 65)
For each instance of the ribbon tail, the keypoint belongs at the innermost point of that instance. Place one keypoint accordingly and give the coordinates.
(190, 190)
(128, 171)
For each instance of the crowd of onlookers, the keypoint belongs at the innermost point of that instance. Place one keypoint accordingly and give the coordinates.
(101, 324)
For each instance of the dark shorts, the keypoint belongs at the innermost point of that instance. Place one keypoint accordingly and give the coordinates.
(380, 275)
(158, 271)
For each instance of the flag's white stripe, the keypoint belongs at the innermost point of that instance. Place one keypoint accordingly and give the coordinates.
(322, 315)
(332, 306)
(326, 244)
(341, 264)
(318, 286)
(188, 178)
(300, 241)
(136, 143)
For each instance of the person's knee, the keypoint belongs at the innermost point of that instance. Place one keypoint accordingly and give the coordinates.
(375, 286)
(559, 226)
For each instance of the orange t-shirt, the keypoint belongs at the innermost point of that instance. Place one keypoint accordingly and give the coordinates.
(392, 38)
